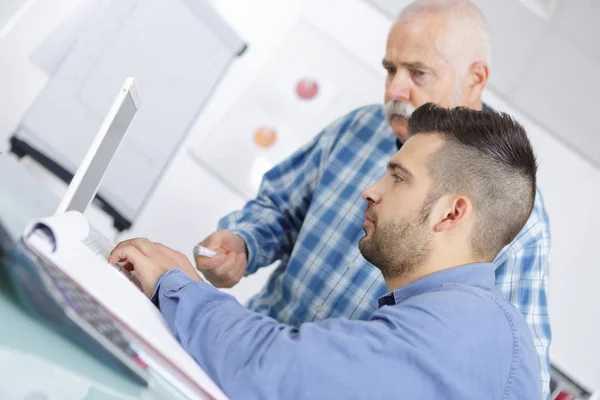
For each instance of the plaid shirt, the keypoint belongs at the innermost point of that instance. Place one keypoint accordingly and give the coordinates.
(309, 214)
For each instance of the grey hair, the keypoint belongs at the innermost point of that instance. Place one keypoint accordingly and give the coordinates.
(467, 24)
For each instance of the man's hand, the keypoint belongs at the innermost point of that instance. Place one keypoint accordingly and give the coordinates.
(227, 268)
(150, 260)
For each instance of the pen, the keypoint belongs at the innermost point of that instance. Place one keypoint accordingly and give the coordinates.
(203, 251)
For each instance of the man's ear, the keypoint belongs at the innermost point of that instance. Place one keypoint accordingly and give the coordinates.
(476, 80)
(456, 213)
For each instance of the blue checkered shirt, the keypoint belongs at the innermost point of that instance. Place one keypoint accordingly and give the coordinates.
(309, 215)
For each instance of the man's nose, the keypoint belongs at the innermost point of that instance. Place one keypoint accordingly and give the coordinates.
(399, 89)
(370, 195)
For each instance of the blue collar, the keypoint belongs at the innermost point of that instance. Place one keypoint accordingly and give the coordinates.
(480, 274)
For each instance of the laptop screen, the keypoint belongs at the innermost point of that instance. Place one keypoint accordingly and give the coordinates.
(85, 182)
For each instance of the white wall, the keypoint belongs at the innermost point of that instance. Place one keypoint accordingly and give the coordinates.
(189, 201)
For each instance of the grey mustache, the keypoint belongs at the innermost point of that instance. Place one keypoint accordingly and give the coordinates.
(398, 108)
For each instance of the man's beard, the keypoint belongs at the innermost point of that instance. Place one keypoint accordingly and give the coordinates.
(398, 248)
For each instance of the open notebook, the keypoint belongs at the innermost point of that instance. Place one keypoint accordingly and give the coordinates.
(86, 293)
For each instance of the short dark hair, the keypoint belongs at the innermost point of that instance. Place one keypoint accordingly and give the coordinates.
(487, 157)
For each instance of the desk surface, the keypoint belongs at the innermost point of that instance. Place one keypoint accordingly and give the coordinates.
(37, 363)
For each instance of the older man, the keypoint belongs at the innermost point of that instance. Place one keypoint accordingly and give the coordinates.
(308, 212)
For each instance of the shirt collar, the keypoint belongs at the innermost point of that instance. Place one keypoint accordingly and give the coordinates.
(480, 274)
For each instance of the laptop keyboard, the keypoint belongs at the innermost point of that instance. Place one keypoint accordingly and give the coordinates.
(99, 244)
(102, 247)
(87, 309)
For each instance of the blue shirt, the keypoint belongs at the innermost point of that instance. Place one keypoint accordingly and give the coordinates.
(449, 335)
(309, 214)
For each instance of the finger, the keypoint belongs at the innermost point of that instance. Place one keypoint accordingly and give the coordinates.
(126, 242)
(210, 263)
(131, 254)
(235, 274)
(142, 244)
(241, 260)
(212, 241)
(225, 275)
(175, 255)
(230, 264)
(123, 266)
(240, 270)
(128, 266)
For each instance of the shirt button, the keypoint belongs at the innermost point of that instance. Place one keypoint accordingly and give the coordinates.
(319, 308)
(350, 264)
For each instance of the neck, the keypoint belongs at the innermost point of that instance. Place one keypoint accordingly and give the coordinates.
(434, 263)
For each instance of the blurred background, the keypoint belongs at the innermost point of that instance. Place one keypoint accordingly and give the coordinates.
(230, 87)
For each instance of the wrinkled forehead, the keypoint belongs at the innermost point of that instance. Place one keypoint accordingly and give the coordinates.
(421, 39)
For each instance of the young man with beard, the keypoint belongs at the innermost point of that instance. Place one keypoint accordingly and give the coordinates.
(460, 189)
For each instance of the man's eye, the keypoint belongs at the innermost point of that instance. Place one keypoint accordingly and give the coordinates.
(398, 179)
(420, 77)
(390, 70)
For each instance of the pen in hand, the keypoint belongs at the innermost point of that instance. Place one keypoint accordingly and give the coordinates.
(204, 251)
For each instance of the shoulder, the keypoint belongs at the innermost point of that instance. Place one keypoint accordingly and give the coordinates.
(477, 321)
(456, 306)
(369, 118)
(364, 126)
(368, 112)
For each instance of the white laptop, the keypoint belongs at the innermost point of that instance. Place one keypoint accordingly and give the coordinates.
(64, 241)
(68, 219)
(87, 179)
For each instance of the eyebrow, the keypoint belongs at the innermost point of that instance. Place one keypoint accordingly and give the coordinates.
(392, 165)
(414, 65)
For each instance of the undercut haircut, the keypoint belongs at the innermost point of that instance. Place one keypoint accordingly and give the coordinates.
(487, 157)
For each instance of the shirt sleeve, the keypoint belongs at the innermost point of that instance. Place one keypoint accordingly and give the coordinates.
(250, 355)
(270, 223)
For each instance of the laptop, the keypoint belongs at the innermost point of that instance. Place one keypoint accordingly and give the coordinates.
(87, 179)
(85, 182)
(57, 278)
(49, 293)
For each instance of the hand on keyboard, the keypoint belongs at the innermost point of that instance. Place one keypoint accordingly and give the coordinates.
(130, 275)
(151, 260)
(102, 248)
